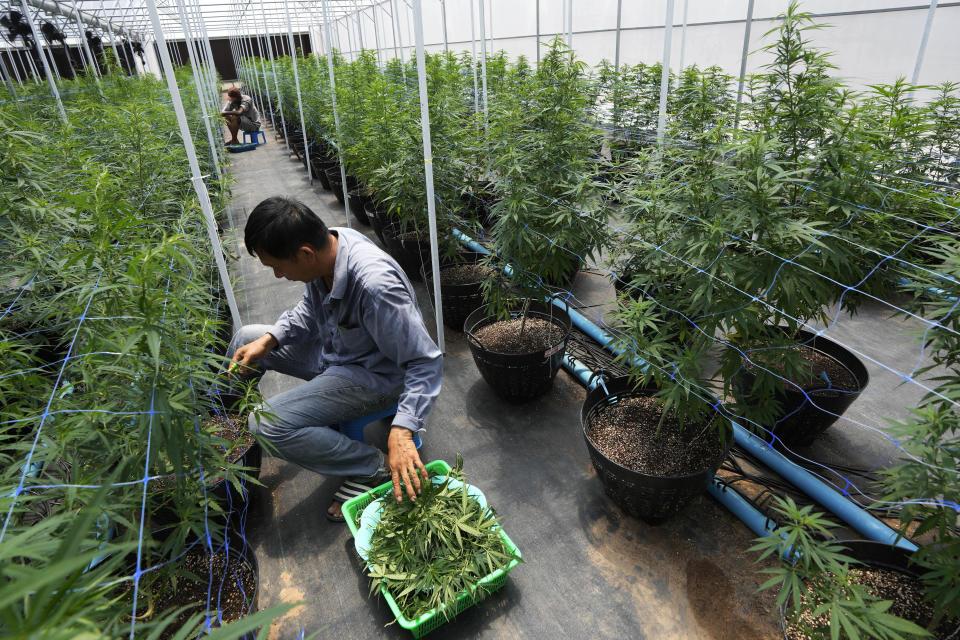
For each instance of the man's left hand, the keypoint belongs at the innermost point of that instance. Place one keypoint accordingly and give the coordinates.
(404, 463)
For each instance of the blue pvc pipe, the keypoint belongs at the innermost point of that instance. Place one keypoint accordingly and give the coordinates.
(741, 507)
(818, 490)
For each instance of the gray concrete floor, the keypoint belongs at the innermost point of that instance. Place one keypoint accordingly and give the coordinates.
(589, 570)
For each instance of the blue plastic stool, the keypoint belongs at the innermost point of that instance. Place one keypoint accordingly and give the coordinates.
(353, 429)
(255, 136)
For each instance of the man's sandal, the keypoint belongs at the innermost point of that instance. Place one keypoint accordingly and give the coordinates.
(352, 488)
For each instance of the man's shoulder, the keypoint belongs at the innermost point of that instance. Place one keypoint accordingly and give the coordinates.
(370, 266)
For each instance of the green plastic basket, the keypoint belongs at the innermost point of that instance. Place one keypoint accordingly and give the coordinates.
(434, 618)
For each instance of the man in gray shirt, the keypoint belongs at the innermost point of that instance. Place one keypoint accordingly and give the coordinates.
(357, 338)
(241, 114)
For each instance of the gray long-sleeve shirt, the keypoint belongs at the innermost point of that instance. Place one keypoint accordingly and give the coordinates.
(368, 328)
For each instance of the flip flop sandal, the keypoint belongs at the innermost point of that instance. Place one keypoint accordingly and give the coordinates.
(348, 490)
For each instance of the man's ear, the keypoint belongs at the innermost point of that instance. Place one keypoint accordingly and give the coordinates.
(307, 252)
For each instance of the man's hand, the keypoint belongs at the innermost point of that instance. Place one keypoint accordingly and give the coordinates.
(246, 357)
(404, 462)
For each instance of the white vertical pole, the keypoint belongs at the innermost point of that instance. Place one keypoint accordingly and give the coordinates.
(296, 81)
(376, 32)
(266, 84)
(196, 177)
(84, 45)
(665, 72)
(12, 63)
(29, 64)
(203, 46)
(443, 16)
(359, 26)
(113, 41)
(6, 78)
(393, 27)
(428, 169)
(276, 85)
(616, 54)
(683, 35)
(538, 33)
(336, 116)
(743, 62)
(923, 42)
(483, 67)
(570, 24)
(43, 59)
(473, 47)
(399, 36)
(200, 98)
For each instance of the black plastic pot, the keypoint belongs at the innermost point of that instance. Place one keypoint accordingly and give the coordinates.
(336, 184)
(876, 555)
(239, 555)
(410, 253)
(378, 219)
(359, 198)
(457, 300)
(233, 502)
(650, 498)
(802, 419)
(524, 376)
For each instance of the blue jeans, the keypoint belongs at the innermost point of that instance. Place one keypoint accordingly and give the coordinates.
(297, 424)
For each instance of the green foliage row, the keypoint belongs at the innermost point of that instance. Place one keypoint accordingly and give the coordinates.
(110, 314)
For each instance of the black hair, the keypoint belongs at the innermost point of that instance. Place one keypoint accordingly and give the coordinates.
(279, 226)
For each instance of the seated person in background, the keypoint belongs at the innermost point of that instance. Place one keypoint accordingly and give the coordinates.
(240, 114)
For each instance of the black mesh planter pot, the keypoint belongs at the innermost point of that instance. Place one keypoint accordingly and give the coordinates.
(408, 249)
(458, 300)
(518, 377)
(805, 416)
(320, 172)
(378, 219)
(359, 198)
(648, 497)
(236, 503)
(336, 184)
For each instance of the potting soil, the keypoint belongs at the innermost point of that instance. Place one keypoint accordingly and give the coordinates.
(233, 585)
(505, 336)
(905, 591)
(630, 434)
(464, 274)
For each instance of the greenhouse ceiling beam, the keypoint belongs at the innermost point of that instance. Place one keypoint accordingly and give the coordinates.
(85, 16)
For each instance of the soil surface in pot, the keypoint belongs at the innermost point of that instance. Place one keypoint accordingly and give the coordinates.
(505, 337)
(464, 274)
(904, 590)
(816, 365)
(626, 433)
(232, 427)
(211, 570)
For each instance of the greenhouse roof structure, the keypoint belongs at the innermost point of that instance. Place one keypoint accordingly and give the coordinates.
(647, 302)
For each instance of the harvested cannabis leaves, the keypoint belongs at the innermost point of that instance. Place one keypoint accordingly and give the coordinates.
(430, 551)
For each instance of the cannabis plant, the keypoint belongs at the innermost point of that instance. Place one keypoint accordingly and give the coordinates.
(821, 597)
(541, 152)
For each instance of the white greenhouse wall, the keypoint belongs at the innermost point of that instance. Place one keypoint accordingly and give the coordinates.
(872, 41)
